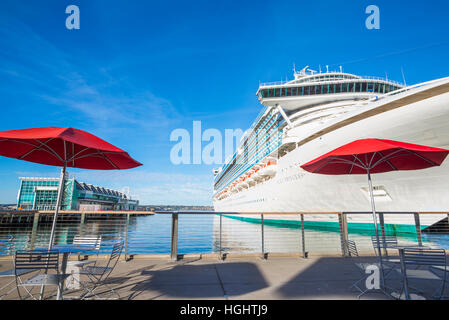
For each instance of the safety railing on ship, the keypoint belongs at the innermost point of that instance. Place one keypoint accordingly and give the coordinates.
(181, 233)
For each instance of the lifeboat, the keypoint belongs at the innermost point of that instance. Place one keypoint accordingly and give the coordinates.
(251, 178)
(269, 170)
(237, 185)
(244, 183)
(256, 174)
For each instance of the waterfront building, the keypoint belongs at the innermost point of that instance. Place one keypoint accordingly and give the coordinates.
(41, 194)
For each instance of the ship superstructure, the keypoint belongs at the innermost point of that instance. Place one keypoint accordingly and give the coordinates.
(311, 97)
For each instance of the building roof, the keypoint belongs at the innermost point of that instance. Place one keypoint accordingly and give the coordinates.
(82, 186)
(99, 190)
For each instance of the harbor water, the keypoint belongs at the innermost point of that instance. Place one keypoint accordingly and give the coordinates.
(200, 234)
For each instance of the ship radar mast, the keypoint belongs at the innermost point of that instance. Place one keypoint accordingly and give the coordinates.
(303, 72)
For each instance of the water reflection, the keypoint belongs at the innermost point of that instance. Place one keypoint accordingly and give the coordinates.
(200, 234)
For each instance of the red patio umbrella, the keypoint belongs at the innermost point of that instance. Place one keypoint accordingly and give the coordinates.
(63, 147)
(368, 156)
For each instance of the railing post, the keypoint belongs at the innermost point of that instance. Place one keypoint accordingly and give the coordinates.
(263, 237)
(174, 237)
(303, 238)
(343, 221)
(382, 231)
(221, 228)
(82, 220)
(126, 236)
(418, 229)
(34, 230)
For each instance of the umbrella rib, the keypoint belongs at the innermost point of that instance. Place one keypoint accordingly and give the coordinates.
(95, 154)
(390, 156)
(20, 141)
(372, 158)
(352, 167)
(101, 155)
(74, 157)
(348, 162)
(338, 160)
(324, 164)
(388, 161)
(361, 162)
(109, 160)
(51, 149)
(39, 147)
(423, 158)
(73, 152)
(395, 154)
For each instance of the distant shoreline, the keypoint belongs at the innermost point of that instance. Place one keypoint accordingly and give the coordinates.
(174, 208)
(149, 207)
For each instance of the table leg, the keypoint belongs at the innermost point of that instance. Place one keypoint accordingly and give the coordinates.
(65, 257)
(404, 274)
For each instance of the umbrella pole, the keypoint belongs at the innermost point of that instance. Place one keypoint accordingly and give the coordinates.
(58, 204)
(53, 227)
(373, 206)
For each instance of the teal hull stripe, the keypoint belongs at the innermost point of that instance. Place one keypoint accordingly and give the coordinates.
(331, 226)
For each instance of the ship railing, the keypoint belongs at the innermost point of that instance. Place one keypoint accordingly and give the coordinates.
(411, 87)
(280, 83)
(176, 234)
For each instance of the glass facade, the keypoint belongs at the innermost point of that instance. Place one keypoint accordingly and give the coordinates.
(29, 196)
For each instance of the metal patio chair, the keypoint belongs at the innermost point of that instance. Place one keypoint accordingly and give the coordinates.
(385, 243)
(441, 270)
(42, 262)
(97, 276)
(6, 245)
(430, 258)
(353, 253)
(94, 241)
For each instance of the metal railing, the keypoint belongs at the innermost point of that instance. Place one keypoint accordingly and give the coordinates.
(178, 233)
(312, 80)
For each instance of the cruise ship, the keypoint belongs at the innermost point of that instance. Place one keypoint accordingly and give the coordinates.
(315, 113)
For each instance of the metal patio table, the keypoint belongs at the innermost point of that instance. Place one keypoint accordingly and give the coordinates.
(66, 250)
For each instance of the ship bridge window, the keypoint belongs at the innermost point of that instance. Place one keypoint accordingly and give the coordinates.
(277, 92)
(334, 88)
(338, 88)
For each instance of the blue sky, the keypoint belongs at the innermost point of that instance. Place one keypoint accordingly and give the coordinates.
(137, 70)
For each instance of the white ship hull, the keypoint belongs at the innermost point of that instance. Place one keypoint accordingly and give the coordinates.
(423, 122)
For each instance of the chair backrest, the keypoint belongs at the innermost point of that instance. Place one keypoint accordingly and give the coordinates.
(94, 241)
(385, 242)
(5, 245)
(36, 260)
(117, 250)
(352, 249)
(424, 257)
(113, 259)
